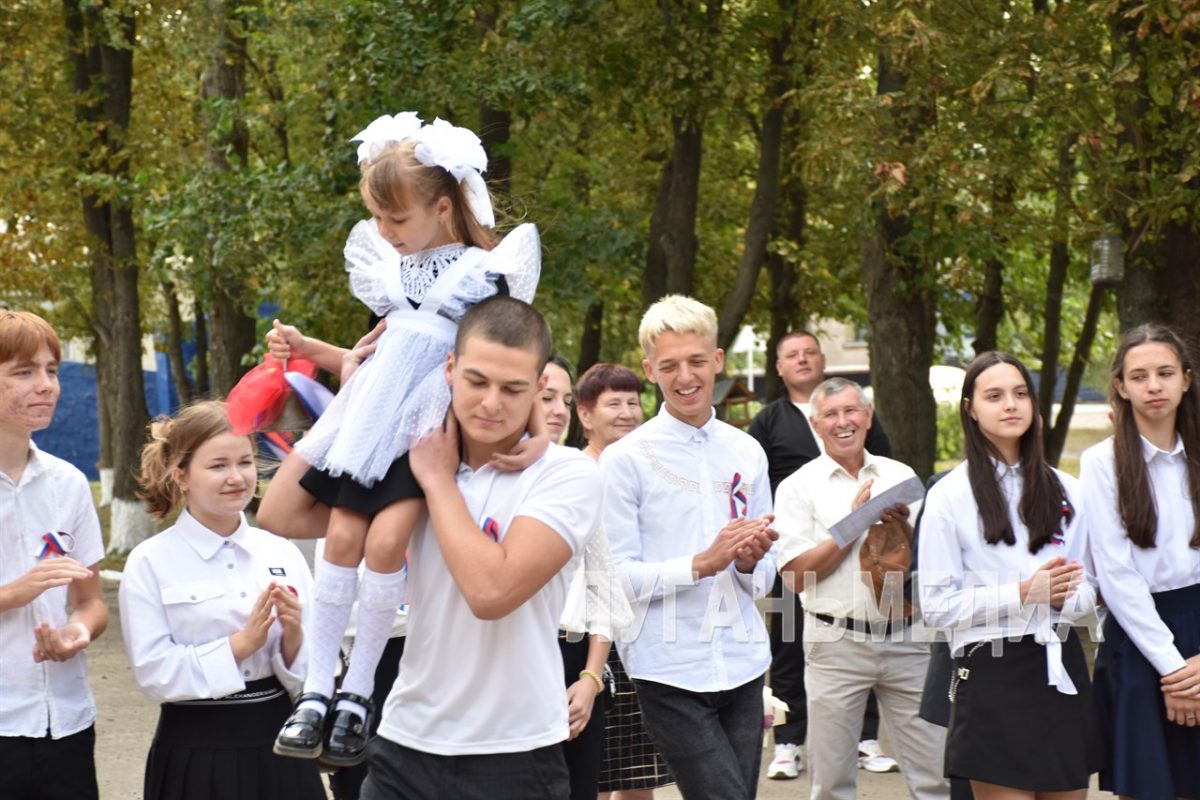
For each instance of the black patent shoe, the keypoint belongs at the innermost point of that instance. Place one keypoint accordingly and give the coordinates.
(303, 734)
(348, 733)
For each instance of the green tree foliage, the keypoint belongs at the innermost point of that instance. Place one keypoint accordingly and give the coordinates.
(976, 146)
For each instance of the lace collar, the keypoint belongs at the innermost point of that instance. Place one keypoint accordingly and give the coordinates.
(420, 270)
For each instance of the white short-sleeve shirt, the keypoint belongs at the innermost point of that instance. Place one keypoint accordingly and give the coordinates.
(469, 686)
(54, 697)
(808, 503)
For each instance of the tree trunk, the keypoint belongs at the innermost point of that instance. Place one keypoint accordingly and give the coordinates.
(224, 85)
(781, 270)
(766, 190)
(1181, 272)
(1056, 438)
(203, 384)
(234, 333)
(1060, 259)
(989, 306)
(1139, 298)
(100, 51)
(901, 299)
(591, 337)
(671, 255)
(179, 376)
(495, 130)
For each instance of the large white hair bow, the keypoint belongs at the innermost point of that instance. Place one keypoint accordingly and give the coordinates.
(459, 152)
(384, 131)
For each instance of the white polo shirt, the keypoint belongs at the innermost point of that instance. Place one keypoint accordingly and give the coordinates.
(52, 697)
(810, 501)
(469, 686)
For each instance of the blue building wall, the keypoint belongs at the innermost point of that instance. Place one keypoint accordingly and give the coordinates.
(75, 433)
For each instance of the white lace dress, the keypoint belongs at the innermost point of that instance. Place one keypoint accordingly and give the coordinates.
(399, 393)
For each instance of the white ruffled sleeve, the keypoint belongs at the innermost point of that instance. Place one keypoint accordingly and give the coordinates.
(518, 258)
(374, 268)
(608, 610)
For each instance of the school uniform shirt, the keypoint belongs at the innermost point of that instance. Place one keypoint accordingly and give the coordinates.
(972, 589)
(811, 501)
(52, 698)
(669, 489)
(469, 686)
(1129, 574)
(186, 590)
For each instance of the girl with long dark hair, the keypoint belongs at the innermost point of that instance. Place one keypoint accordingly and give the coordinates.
(1002, 558)
(1143, 488)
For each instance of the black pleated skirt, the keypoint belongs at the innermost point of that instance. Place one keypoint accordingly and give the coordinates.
(222, 751)
(1149, 757)
(398, 483)
(1009, 728)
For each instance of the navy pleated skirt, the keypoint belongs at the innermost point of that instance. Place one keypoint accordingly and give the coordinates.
(1149, 757)
(1009, 728)
(222, 751)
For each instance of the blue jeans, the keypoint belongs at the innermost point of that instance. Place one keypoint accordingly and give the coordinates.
(711, 740)
(395, 772)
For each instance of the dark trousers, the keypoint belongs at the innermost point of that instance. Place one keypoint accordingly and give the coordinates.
(711, 740)
(585, 753)
(347, 782)
(401, 773)
(786, 632)
(49, 769)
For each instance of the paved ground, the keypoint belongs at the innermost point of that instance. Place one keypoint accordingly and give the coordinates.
(126, 723)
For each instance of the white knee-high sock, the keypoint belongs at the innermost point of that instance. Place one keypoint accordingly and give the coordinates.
(333, 597)
(379, 598)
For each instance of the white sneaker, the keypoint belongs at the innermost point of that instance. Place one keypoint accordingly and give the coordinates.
(787, 763)
(872, 758)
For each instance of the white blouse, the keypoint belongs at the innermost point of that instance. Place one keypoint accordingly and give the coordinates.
(186, 590)
(972, 589)
(1128, 574)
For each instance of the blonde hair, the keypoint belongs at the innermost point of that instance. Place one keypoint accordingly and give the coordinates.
(396, 179)
(173, 442)
(23, 333)
(677, 314)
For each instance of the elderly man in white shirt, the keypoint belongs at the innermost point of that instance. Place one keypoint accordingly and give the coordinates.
(686, 508)
(851, 645)
(51, 607)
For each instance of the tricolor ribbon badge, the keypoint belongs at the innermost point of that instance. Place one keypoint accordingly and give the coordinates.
(491, 528)
(1057, 537)
(737, 497)
(55, 543)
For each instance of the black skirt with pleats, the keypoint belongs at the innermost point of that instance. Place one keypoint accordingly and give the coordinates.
(210, 749)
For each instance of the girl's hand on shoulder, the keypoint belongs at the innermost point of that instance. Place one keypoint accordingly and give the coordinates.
(250, 639)
(525, 453)
(1184, 683)
(435, 455)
